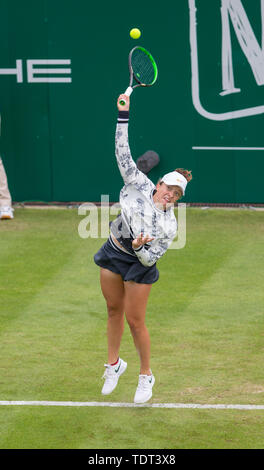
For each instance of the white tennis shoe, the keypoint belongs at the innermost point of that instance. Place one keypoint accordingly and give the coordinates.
(144, 388)
(111, 376)
(6, 212)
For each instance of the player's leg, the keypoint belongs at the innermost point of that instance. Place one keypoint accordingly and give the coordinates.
(136, 298)
(113, 290)
(6, 210)
(112, 286)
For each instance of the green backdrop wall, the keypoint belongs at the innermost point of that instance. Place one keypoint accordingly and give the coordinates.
(57, 137)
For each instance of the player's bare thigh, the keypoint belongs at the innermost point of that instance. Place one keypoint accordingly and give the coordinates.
(112, 286)
(136, 299)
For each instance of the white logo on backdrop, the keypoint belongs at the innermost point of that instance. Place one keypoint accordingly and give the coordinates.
(41, 74)
(234, 12)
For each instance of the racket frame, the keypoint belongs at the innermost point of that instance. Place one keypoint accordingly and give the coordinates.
(133, 75)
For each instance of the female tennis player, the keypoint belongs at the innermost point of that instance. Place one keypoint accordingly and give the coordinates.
(139, 236)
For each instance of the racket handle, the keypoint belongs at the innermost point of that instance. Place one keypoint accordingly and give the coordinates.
(127, 93)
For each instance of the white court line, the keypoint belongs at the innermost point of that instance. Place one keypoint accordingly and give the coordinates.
(228, 148)
(130, 405)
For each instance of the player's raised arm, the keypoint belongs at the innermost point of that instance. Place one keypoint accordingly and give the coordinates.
(127, 167)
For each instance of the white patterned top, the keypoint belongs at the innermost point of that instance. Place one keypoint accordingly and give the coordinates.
(139, 213)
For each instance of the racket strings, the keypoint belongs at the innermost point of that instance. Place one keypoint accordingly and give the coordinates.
(142, 67)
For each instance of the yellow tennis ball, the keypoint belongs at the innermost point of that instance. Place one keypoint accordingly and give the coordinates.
(135, 33)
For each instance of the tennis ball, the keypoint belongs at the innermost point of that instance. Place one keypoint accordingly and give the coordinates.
(135, 33)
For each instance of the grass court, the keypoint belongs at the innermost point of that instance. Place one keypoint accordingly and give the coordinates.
(205, 317)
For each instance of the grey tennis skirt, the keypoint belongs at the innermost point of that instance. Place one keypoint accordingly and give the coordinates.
(128, 266)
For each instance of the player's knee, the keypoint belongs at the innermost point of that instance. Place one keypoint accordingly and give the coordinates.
(135, 324)
(114, 309)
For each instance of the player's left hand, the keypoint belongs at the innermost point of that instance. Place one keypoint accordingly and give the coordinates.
(141, 240)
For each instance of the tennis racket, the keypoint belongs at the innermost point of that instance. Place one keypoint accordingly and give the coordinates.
(142, 68)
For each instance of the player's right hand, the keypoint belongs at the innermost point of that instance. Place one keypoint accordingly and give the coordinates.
(124, 107)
